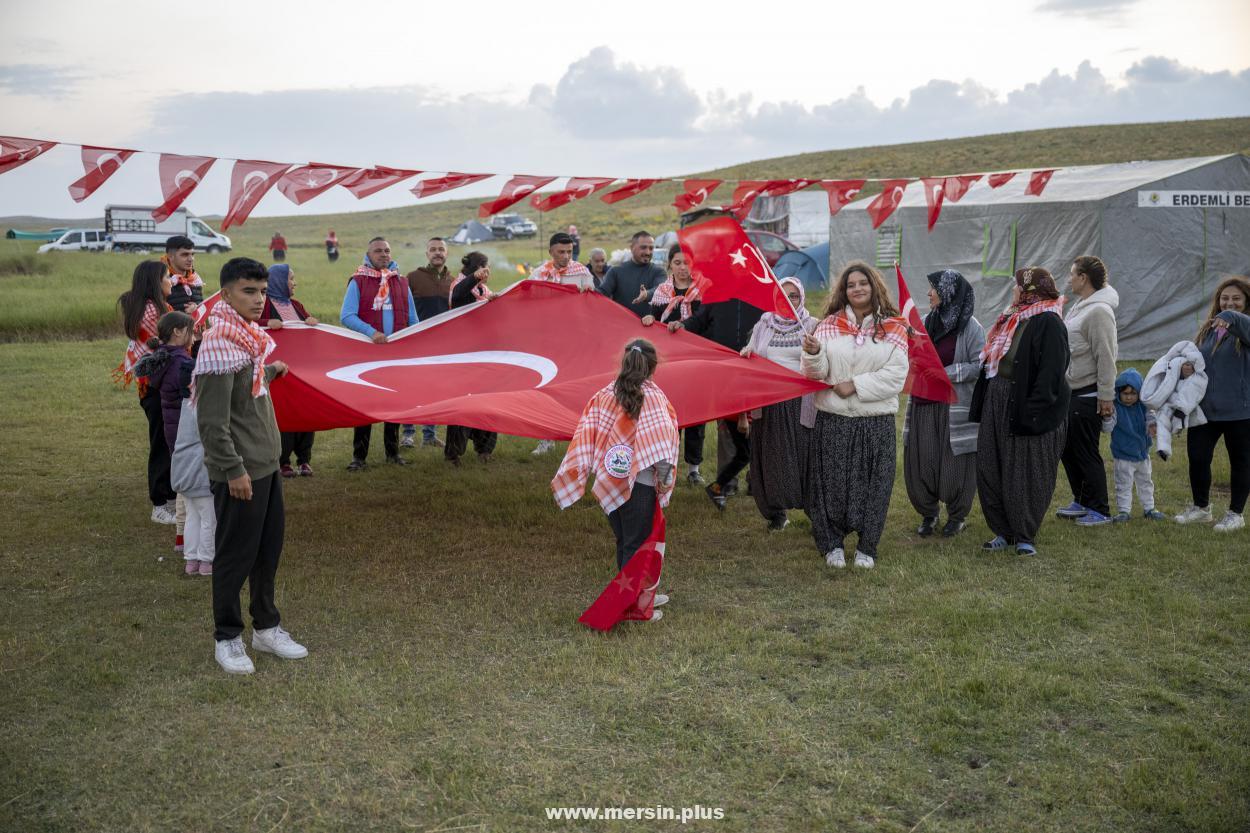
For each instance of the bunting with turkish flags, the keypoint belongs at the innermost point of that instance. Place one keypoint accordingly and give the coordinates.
(180, 175)
(250, 180)
(1038, 181)
(885, 203)
(926, 377)
(841, 192)
(368, 181)
(745, 195)
(15, 152)
(956, 186)
(630, 596)
(439, 184)
(98, 164)
(934, 192)
(578, 187)
(999, 180)
(631, 188)
(696, 193)
(732, 267)
(515, 190)
(299, 185)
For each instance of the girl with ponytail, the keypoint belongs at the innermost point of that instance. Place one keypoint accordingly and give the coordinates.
(626, 438)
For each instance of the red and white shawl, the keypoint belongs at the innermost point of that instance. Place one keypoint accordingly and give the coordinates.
(137, 348)
(666, 293)
(615, 448)
(890, 330)
(384, 277)
(573, 274)
(230, 344)
(998, 340)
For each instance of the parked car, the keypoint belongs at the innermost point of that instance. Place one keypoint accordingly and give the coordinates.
(508, 226)
(133, 228)
(77, 240)
(772, 246)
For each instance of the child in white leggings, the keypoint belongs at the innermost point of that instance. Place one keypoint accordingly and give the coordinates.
(1132, 429)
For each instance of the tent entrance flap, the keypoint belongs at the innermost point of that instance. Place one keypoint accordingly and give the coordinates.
(998, 249)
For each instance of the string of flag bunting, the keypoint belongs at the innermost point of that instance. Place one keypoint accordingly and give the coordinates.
(251, 179)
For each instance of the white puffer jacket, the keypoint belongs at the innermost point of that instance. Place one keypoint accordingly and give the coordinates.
(1173, 399)
(878, 368)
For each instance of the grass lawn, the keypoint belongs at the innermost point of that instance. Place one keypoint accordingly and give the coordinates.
(1103, 685)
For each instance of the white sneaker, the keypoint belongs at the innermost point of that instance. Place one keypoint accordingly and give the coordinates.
(1230, 521)
(277, 641)
(865, 561)
(232, 657)
(162, 515)
(1194, 515)
(409, 441)
(543, 447)
(656, 615)
(660, 599)
(836, 558)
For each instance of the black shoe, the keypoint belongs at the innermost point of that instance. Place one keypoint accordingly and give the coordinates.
(455, 461)
(484, 459)
(953, 528)
(779, 523)
(356, 465)
(926, 527)
(397, 461)
(716, 495)
(730, 489)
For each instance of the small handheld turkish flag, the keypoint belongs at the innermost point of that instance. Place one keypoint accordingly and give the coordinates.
(180, 175)
(250, 180)
(926, 377)
(733, 268)
(98, 164)
(517, 189)
(631, 595)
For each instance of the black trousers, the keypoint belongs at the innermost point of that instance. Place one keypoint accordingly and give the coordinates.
(249, 543)
(631, 522)
(458, 437)
(301, 443)
(1082, 460)
(390, 440)
(694, 444)
(741, 452)
(159, 490)
(1200, 443)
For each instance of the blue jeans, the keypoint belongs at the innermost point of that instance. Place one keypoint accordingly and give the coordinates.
(427, 431)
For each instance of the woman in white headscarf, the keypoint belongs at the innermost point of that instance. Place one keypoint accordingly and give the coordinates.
(779, 433)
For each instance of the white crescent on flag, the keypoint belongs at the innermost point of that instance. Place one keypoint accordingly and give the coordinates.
(544, 367)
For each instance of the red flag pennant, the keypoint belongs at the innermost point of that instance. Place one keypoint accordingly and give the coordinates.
(887, 201)
(745, 195)
(250, 180)
(180, 175)
(15, 152)
(437, 185)
(516, 189)
(957, 186)
(841, 192)
(631, 594)
(299, 185)
(732, 266)
(926, 377)
(368, 181)
(1038, 181)
(98, 164)
(934, 190)
(578, 187)
(781, 187)
(997, 180)
(697, 191)
(631, 188)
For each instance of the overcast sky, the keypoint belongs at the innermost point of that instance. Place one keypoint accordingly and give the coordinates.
(591, 89)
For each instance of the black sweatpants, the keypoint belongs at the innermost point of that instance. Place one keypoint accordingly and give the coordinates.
(249, 543)
(741, 452)
(693, 453)
(159, 490)
(458, 441)
(631, 522)
(301, 443)
(1082, 460)
(390, 440)
(1201, 441)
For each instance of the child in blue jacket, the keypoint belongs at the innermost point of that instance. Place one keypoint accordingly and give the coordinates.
(1132, 429)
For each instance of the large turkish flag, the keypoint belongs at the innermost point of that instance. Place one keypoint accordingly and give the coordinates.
(525, 364)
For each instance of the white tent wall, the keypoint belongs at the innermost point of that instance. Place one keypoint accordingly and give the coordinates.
(1164, 262)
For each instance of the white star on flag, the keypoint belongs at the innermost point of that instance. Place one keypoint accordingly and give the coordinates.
(738, 258)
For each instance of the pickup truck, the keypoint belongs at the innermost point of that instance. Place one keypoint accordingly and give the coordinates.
(132, 228)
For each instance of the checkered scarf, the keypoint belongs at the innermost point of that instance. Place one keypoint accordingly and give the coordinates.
(230, 344)
(615, 448)
(891, 330)
(998, 340)
(124, 373)
(666, 293)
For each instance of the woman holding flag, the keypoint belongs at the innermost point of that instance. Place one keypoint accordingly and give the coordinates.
(626, 438)
(860, 350)
(939, 443)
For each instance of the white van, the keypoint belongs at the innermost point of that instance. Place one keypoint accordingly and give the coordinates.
(78, 240)
(132, 229)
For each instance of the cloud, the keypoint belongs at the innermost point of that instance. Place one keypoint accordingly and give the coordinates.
(1086, 8)
(38, 80)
